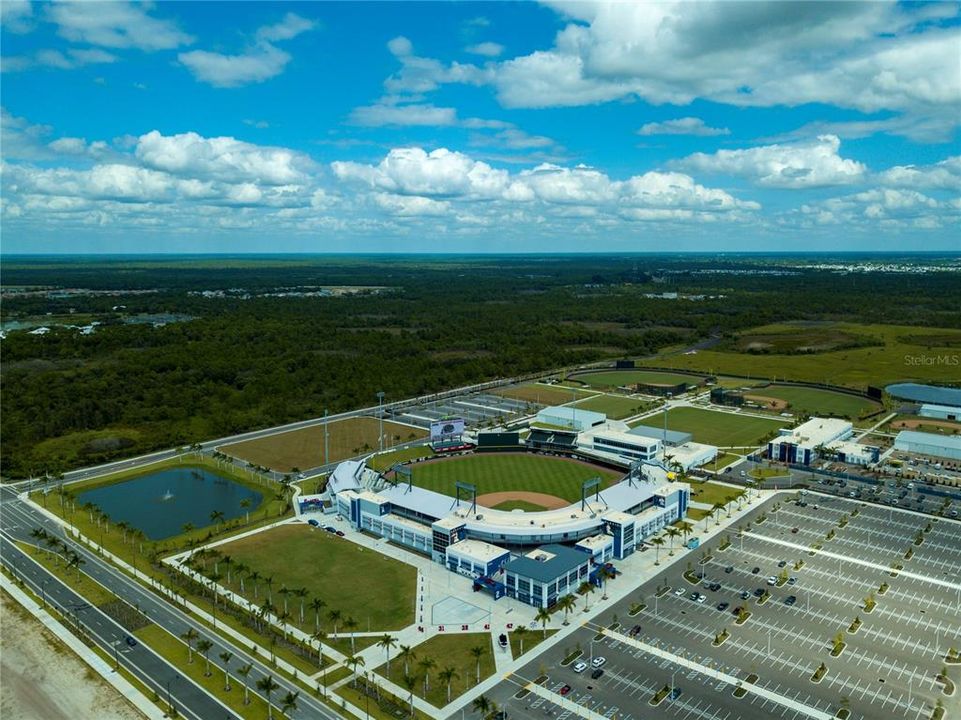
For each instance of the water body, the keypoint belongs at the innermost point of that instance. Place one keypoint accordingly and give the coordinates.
(925, 393)
(161, 503)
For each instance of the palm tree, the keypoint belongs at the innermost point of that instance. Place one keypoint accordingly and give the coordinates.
(410, 683)
(225, 657)
(254, 576)
(606, 574)
(686, 528)
(75, 562)
(89, 507)
(567, 603)
(188, 637)
(301, 593)
(267, 685)
(354, 661)
(482, 705)
(657, 543)
(334, 616)
(427, 664)
(317, 604)
(447, 676)
(478, 652)
(216, 516)
(284, 618)
(672, 533)
(586, 589)
(285, 593)
(241, 569)
(407, 652)
(187, 527)
(544, 617)
(227, 561)
(387, 641)
(289, 703)
(123, 526)
(245, 504)
(519, 632)
(319, 636)
(715, 509)
(244, 671)
(350, 625)
(203, 647)
(269, 582)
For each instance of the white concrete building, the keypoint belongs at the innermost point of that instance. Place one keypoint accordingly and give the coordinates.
(799, 446)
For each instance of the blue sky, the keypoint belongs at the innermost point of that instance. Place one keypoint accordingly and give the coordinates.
(480, 127)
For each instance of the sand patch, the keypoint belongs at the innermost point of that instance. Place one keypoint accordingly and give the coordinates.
(769, 402)
(930, 422)
(551, 502)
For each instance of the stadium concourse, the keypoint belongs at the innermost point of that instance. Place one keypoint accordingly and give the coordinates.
(534, 557)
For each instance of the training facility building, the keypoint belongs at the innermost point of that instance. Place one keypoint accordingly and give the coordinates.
(568, 416)
(620, 444)
(854, 453)
(800, 445)
(668, 437)
(922, 443)
(941, 412)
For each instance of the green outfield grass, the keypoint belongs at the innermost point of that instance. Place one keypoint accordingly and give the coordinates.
(717, 428)
(722, 461)
(812, 401)
(511, 471)
(614, 406)
(541, 394)
(628, 377)
(451, 651)
(384, 461)
(854, 367)
(304, 448)
(327, 567)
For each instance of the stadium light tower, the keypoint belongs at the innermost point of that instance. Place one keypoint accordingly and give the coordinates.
(380, 412)
(666, 404)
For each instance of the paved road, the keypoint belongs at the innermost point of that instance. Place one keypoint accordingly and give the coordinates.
(18, 519)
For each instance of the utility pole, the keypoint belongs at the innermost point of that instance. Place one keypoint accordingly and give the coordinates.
(380, 407)
(326, 440)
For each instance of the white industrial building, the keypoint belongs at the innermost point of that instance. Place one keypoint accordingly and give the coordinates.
(690, 455)
(922, 443)
(620, 444)
(854, 453)
(941, 412)
(799, 446)
(570, 417)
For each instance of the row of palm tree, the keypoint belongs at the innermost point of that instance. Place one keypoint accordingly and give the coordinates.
(267, 685)
(59, 548)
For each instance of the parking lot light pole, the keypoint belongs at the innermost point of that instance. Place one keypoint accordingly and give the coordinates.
(170, 702)
(380, 412)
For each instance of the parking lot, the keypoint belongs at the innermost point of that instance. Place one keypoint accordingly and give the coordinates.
(886, 669)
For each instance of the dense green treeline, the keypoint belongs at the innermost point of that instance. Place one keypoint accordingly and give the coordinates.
(70, 399)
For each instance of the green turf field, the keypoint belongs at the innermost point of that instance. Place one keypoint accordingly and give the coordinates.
(327, 566)
(540, 394)
(717, 428)
(812, 401)
(385, 460)
(722, 461)
(628, 377)
(304, 448)
(614, 406)
(855, 367)
(710, 493)
(511, 471)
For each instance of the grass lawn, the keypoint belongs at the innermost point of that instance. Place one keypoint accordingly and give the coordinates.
(519, 505)
(511, 471)
(304, 448)
(532, 638)
(722, 461)
(613, 406)
(811, 401)
(540, 394)
(696, 514)
(717, 428)
(384, 461)
(765, 473)
(854, 367)
(448, 651)
(329, 568)
(711, 492)
(629, 377)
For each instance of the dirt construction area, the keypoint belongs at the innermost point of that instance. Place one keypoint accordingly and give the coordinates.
(548, 502)
(768, 402)
(41, 678)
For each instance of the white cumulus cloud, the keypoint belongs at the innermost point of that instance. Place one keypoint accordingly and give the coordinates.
(682, 126)
(487, 49)
(798, 165)
(116, 25)
(258, 64)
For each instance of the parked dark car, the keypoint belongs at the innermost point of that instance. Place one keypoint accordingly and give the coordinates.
(131, 641)
(339, 533)
(729, 569)
(756, 570)
(723, 606)
(313, 522)
(597, 673)
(790, 600)
(675, 694)
(759, 592)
